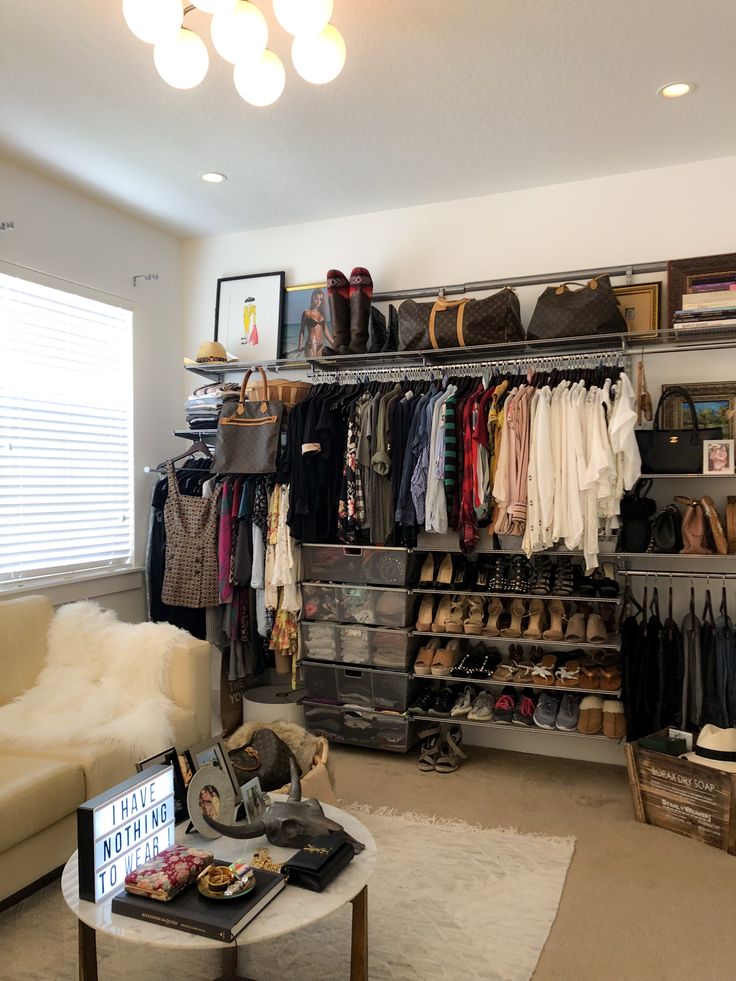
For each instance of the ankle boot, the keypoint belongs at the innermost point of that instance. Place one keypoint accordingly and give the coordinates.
(392, 337)
(361, 291)
(338, 295)
(377, 332)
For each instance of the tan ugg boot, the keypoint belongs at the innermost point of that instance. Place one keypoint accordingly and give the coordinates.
(614, 720)
(590, 720)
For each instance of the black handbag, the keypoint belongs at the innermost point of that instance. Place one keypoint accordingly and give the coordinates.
(318, 863)
(248, 433)
(591, 309)
(674, 450)
(637, 511)
(445, 323)
(666, 533)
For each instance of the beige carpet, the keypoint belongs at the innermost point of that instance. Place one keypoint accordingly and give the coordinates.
(447, 901)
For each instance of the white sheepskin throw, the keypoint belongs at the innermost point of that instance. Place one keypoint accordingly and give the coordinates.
(103, 681)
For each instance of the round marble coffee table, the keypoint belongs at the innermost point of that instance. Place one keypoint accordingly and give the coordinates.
(292, 909)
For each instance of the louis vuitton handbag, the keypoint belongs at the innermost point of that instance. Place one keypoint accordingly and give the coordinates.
(587, 310)
(445, 323)
(248, 432)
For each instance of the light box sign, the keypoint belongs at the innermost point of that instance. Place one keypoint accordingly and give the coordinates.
(122, 828)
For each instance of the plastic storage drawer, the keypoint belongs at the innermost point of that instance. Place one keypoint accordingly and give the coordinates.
(365, 687)
(375, 647)
(362, 565)
(371, 605)
(360, 727)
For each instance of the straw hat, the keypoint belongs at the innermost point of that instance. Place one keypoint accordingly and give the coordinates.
(210, 352)
(715, 748)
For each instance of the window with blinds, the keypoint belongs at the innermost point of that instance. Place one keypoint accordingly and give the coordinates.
(66, 432)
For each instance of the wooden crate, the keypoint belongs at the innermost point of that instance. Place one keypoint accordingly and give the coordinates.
(684, 797)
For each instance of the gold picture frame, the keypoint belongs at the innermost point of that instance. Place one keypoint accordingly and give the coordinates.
(715, 404)
(640, 305)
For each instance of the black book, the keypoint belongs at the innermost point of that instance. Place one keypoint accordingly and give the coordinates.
(318, 863)
(220, 919)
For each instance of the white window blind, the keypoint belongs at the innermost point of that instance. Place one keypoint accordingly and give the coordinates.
(66, 432)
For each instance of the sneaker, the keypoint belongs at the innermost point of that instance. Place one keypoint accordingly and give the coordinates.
(567, 717)
(422, 701)
(482, 709)
(442, 702)
(464, 702)
(545, 713)
(503, 711)
(524, 713)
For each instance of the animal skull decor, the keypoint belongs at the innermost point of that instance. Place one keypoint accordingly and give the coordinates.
(290, 823)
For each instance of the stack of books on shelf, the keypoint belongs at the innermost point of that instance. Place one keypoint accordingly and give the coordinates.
(708, 306)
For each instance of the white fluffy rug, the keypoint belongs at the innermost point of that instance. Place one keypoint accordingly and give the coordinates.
(103, 681)
(447, 902)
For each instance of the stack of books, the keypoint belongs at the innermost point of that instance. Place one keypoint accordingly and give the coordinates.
(708, 306)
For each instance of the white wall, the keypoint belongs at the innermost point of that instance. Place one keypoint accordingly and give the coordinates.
(62, 233)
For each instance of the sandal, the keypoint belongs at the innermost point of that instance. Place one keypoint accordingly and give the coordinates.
(430, 750)
(451, 754)
(456, 617)
(518, 612)
(610, 679)
(473, 623)
(537, 620)
(506, 671)
(439, 625)
(424, 617)
(576, 628)
(557, 617)
(483, 574)
(595, 632)
(543, 673)
(519, 572)
(541, 579)
(563, 583)
(495, 610)
(524, 666)
(590, 675)
(498, 582)
(568, 675)
(445, 659)
(425, 657)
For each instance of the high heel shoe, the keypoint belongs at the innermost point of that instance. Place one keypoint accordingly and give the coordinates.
(456, 617)
(518, 612)
(445, 659)
(444, 573)
(424, 617)
(426, 576)
(473, 623)
(423, 663)
(495, 610)
(557, 618)
(537, 620)
(439, 625)
(576, 628)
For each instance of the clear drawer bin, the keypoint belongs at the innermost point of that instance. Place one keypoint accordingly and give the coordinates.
(365, 687)
(378, 647)
(361, 727)
(370, 605)
(360, 564)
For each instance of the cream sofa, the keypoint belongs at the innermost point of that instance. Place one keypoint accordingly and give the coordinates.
(40, 792)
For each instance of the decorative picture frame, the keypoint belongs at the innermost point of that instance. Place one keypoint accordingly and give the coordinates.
(718, 457)
(640, 305)
(170, 757)
(715, 405)
(248, 313)
(306, 327)
(683, 274)
(213, 752)
(210, 788)
(254, 799)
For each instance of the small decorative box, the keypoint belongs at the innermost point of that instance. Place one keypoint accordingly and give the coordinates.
(166, 875)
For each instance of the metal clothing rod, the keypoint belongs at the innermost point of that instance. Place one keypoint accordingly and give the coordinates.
(635, 269)
(679, 575)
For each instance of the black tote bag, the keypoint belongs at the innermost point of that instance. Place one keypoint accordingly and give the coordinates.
(674, 450)
(248, 433)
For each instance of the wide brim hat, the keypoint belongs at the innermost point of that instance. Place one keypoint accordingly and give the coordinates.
(210, 352)
(715, 748)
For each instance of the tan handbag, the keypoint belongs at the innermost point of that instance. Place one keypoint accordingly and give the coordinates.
(694, 535)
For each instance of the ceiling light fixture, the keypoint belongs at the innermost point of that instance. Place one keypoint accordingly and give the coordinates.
(213, 177)
(675, 90)
(239, 34)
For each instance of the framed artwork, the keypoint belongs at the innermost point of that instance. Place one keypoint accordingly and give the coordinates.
(210, 792)
(306, 327)
(718, 456)
(248, 315)
(705, 272)
(715, 405)
(640, 305)
(212, 752)
(254, 799)
(171, 757)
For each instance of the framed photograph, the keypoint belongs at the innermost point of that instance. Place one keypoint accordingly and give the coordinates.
(254, 799)
(248, 316)
(210, 793)
(705, 272)
(715, 405)
(718, 456)
(306, 327)
(640, 305)
(170, 756)
(212, 752)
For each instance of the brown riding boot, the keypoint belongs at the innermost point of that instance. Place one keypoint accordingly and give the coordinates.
(361, 293)
(338, 296)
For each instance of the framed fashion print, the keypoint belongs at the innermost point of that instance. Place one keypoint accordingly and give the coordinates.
(718, 456)
(640, 305)
(171, 757)
(715, 405)
(705, 273)
(212, 752)
(306, 328)
(248, 315)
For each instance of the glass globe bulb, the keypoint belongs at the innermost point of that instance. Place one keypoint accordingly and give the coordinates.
(240, 33)
(303, 16)
(214, 6)
(182, 61)
(153, 20)
(319, 57)
(262, 81)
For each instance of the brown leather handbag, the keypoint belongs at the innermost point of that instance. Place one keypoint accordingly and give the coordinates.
(694, 534)
(445, 323)
(248, 433)
(587, 310)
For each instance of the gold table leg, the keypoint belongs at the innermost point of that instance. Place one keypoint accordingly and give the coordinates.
(359, 939)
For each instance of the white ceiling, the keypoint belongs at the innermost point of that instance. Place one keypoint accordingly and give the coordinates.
(438, 100)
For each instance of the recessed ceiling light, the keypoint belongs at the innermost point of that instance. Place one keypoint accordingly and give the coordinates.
(675, 90)
(213, 178)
